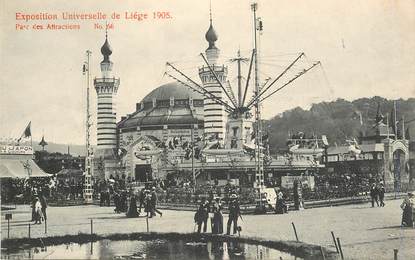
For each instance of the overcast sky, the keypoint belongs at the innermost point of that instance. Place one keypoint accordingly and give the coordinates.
(366, 48)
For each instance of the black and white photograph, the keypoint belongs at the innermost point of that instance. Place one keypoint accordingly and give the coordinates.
(210, 129)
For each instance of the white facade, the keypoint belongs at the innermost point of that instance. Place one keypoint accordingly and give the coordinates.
(214, 113)
(106, 112)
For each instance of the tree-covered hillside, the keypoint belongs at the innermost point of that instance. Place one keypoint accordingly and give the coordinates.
(338, 120)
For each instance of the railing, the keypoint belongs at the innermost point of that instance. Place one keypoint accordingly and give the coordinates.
(106, 80)
(215, 68)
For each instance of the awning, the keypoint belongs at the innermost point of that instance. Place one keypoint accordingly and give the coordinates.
(20, 168)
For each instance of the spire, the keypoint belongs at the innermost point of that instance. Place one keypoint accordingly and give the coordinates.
(211, 35)
(106, 49)
(43, 143)
(210, 11)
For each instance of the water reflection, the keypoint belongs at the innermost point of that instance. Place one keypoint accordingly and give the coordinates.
(155, 249)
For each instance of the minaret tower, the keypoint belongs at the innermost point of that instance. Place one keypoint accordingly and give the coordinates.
(106, 88)
(214, 114)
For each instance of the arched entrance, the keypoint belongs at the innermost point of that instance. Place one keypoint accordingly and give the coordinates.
(398, 168)
(143, 150)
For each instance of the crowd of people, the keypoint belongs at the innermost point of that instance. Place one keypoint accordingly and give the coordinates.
(212, 210)
(377, 195)
(131, 203)
(330, 186)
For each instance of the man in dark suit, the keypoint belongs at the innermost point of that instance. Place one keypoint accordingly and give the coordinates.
(234, 213)
(374, 195)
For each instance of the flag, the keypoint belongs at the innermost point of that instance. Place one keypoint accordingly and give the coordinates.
(26, 133)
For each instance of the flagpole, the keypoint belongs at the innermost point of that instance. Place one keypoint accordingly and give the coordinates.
(30, 130)
(394, 120)
(88, 190)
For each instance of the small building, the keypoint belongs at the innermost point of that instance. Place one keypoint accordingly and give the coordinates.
(16, 161)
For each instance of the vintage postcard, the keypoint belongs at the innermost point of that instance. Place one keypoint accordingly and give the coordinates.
(210, 129)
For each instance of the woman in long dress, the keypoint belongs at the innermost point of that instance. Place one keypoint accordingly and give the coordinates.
(132, 210)
(408, 210)
(38, 211)
(217, 220)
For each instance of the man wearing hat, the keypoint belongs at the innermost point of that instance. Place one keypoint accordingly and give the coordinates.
(234, 213)
(374, 194)
(147, 203)
(201, 216)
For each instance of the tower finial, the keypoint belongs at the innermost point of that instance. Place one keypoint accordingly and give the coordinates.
(211, 35)
(210, 11)
(106, 30)
(106, 48)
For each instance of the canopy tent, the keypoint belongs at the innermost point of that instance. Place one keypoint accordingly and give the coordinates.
(20, 167)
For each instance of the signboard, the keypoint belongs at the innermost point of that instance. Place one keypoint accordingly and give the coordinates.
(14, 149)
(180, 132)
(8, 216)
(288, 181)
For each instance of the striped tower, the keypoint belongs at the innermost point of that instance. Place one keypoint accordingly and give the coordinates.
(214, 114)
(106, 88)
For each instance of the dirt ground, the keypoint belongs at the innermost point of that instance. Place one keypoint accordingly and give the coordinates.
(365, 232)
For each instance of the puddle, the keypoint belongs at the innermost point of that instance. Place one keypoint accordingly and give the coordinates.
(154, 249)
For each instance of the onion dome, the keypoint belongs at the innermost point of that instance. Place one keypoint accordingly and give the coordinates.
(106, 49)
(211, 36)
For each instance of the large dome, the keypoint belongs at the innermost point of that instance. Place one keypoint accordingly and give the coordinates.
(172, 107)
(173, 89)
